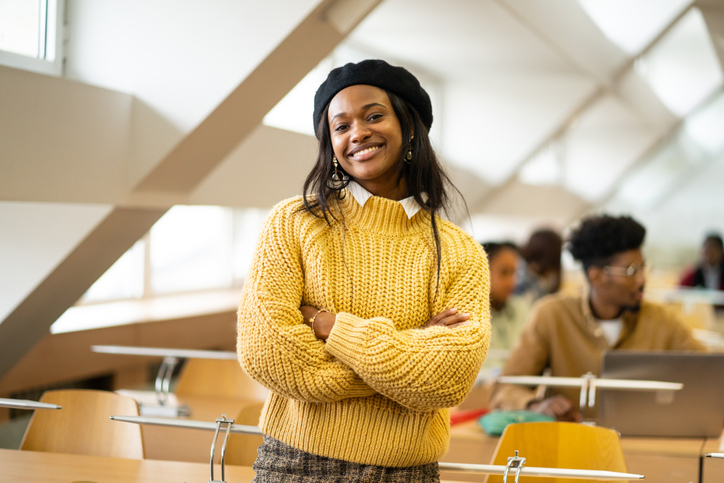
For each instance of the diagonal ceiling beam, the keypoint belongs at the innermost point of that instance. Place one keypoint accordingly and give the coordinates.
(179, 172)
(657, 144)
(713, 13)
(584, 105)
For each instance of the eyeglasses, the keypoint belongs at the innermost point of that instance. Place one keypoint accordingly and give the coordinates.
(630, 272)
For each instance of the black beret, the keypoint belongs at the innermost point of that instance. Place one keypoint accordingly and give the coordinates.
(378, 73)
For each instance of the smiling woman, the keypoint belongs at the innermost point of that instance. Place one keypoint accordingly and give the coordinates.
(365, 313)
(367, 140)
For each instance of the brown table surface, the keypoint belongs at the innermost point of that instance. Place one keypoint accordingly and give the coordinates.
(26, 466)
(32, 466)
(662, 460)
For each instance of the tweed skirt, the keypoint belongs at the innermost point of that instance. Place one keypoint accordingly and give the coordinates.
(278, 462)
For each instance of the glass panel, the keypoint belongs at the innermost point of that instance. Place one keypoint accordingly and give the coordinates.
(604, 143)
(699, 141)
(683, 68)
(705, 127)
(647, 185)
(632, 24)
(20, 26)
(123, 280)
(190, 249)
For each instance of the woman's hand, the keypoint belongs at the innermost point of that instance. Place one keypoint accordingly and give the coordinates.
(323, 322)
(448, 318)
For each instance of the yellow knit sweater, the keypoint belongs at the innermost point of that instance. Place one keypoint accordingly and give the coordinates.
(377, 391)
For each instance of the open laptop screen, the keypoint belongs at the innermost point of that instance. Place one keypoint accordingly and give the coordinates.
(697, 410)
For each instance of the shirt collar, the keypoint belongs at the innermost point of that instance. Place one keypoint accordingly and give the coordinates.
(361, 195)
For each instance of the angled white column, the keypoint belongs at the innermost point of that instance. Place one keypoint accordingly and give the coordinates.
(174, 177)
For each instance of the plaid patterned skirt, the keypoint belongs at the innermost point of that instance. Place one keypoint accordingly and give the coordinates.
(278, 462)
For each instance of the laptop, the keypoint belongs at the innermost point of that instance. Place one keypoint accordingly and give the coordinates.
(695, 411)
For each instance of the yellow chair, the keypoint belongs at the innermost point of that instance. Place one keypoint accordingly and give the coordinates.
(84, 426)
(241, 448)
(560, 445)
(222, 378)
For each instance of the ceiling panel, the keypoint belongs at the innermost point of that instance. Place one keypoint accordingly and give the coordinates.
(608, 138)
(565, 25)
(459, 39)
(494, 123)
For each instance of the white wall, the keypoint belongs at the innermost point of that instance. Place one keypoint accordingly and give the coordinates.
(35, 237)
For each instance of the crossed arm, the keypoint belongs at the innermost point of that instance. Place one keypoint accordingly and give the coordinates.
(424, 368)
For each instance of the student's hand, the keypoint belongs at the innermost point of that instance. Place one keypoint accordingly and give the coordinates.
(323, 322)
(449, 318)
(557, 406)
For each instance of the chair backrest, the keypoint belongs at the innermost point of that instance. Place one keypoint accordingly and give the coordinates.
(560, 445)
(84, 426)
(241, 448)
(218, 377)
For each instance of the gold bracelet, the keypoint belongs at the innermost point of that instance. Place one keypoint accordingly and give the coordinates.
(314, 317)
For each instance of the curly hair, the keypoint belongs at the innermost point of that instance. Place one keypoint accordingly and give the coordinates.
(598, 238)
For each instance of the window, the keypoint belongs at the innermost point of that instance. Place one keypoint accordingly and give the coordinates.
(31, 35)
(683, 68)
(124, 280)
(190, 249)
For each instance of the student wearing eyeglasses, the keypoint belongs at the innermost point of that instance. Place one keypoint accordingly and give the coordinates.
(568, 333)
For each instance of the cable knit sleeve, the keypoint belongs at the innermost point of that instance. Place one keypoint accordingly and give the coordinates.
(274, 346)
(423, 369)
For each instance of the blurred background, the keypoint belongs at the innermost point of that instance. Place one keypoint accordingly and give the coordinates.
(142, 143)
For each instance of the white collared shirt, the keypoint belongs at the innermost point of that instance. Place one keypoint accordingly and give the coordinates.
(611, 330)
(361, 195)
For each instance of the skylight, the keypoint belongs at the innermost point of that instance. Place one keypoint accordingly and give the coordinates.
(683, 68)
(705, 127)
(632, 24)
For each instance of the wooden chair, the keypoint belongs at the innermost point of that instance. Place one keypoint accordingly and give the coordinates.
(241, 448)
(560, 445)
(84, 426)
(222, 378)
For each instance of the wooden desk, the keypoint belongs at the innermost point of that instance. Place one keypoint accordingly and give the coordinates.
(64, 468)
(16, 466)
(713, 469)
(164, 443)
(663, 460)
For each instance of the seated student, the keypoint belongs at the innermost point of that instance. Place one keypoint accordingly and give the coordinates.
(569, 333)
(508, 312)
(541, 273)
(709, 273)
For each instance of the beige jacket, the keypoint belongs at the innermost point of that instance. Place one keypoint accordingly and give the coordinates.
(562, 334)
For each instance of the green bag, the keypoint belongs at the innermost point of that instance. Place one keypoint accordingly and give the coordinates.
(495, 422)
